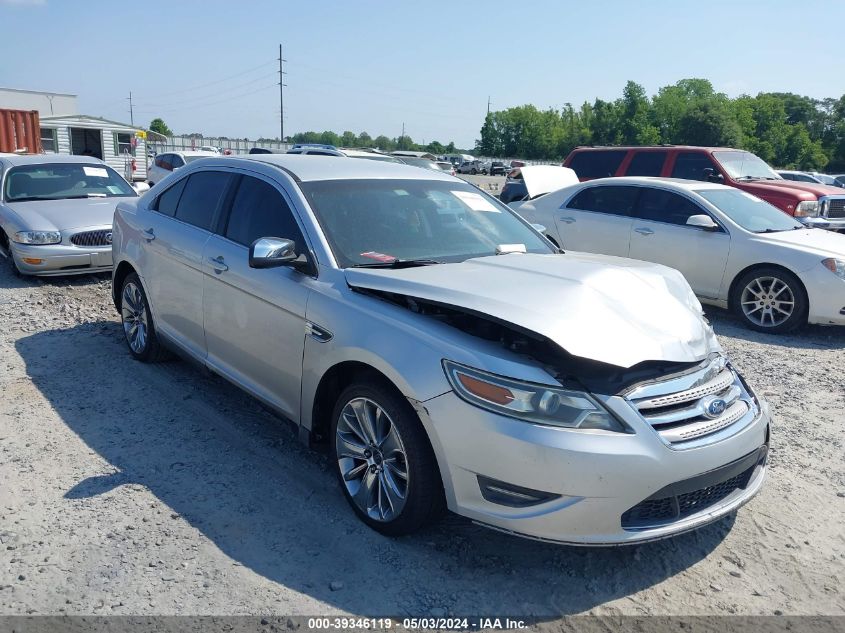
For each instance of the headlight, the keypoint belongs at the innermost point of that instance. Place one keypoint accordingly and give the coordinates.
(528, 401)
(37, 237)
(806, 209)
(836, 266)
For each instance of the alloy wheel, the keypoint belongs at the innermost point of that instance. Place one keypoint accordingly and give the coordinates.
(767, 301)
(133, 311)
(372, 459)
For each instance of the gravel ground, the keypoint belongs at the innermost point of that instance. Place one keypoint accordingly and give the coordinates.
(134, 489)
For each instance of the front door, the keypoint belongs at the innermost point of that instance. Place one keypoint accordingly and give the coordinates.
(255, 318)
(660, 234)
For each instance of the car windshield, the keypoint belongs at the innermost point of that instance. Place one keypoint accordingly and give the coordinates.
(749, 212)
(59, 181)
(741, 165)
(384, 221)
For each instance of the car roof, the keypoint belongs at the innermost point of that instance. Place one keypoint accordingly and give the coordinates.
(191, 152)
(311, 168)
(36, 159)
(670, 183)
(654, 147)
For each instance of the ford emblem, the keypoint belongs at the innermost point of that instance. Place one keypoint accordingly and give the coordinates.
(714, 407)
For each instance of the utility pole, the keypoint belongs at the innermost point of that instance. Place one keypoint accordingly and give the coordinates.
(281, 96)
(131, 110)
(488, 104)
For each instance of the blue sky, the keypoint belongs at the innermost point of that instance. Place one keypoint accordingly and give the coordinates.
(207, 66)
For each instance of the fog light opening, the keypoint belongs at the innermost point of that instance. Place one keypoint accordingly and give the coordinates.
(505, 494)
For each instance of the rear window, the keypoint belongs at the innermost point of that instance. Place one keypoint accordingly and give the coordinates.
(201, 198)
(597, 164)
(611, 200)
(646, 164)
(691, 166)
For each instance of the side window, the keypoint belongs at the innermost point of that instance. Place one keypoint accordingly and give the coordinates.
(610, 200)
(176, 161)
(597, 164)
(691, 166)
(167, 201)
(201, 198)
(646, 164)
(666, 206)
(259, 210)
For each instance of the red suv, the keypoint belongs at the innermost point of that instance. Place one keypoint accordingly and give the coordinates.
(811, 203)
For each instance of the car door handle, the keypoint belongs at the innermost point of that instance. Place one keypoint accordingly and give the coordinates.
(568, 220)
(148, 234)
(644, 231)
(218, 264)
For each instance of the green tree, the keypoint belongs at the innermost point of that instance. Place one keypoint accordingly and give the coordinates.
(708, 123)
(159, 126)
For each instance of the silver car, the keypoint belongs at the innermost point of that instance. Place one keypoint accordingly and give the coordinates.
(56, 213)
(443, 351)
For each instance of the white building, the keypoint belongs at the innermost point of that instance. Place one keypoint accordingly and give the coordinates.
(65, 131)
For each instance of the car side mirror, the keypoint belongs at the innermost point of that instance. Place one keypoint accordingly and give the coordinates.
(272, 252)
(702, 222)
(711, 176)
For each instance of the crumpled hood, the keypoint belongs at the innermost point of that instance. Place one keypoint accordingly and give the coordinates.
(609, 309)
(63, 215)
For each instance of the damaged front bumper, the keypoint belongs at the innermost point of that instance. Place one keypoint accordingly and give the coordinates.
(589, 487)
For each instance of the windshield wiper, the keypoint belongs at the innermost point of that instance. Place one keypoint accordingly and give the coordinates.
(29, 198)
(775, 230)
(399, 263)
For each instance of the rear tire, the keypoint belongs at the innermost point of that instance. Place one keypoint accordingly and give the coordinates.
(770, 299)
(383, 459)
(137, 319)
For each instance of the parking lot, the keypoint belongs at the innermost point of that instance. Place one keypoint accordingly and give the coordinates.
(131, 489)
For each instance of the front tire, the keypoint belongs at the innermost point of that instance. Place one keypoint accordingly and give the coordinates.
(137, 320)
(770, 299)
(383, 459)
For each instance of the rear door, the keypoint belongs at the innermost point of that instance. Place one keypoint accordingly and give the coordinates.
(255, 318)
(660, 234)
(598, 219)
(176, 233)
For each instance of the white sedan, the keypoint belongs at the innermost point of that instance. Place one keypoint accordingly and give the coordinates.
(735, 250)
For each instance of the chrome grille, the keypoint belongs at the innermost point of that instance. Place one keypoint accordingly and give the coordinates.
(92, 238)
(696, 406)
(836, 208)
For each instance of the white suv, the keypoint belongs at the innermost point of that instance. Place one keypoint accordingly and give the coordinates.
(166, 162)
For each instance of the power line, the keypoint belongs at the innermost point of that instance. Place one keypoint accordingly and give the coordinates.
(203, 105)
(188, 100)
(215, 82)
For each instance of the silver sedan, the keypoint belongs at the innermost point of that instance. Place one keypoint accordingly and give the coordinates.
(56, 213)
(443, 352)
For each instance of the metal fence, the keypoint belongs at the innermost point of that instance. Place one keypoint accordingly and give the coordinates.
(234, 145)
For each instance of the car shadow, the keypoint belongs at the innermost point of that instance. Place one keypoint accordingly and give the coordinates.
(237, 474)
(808, 337)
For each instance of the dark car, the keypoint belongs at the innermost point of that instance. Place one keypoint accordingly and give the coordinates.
(513, 191)
(498, 168)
